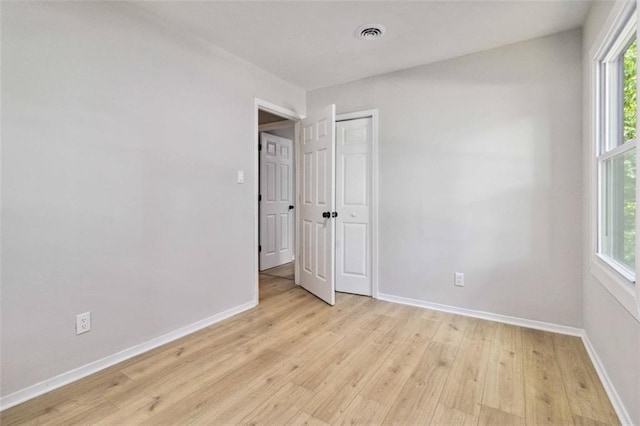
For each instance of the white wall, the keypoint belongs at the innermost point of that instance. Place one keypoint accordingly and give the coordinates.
(480, 172)
(121, 139)
(612, 330)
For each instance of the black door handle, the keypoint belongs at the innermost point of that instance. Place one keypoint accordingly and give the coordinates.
(290, 207)
(334, 214)
(326, 215)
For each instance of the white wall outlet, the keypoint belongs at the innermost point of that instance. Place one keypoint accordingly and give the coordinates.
(240, 176)
(459, 279)
(83, 322)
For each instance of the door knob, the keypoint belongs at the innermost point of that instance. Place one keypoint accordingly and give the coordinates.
(290, 207)
(326, 215)
(334, 214)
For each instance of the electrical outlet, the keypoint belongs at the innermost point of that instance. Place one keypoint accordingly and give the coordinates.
(83, 322)
(459, 279)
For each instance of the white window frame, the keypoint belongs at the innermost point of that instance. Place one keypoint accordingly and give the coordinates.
(620, 29)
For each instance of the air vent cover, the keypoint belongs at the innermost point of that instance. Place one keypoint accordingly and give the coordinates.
(370, 31)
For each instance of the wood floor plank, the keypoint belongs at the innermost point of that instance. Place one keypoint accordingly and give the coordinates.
(319, 369)
(340, 387)
(445, 415)
(363, 411)
(417, 400)
(495, 417)
(192, 348)
(388, 380)
(546, 399)
(295, 360)
(586, 395)
(584, 421)
(451, 330)
(66, 402)
(302, 418)
(203, 399)
(82, 415)
(433, 315)
(478, 329)
(281, 407)
(176, 380)
(135, 412)
(465, 385)
(504, 387)
(412, 331)
(355, 318)
(235, 409)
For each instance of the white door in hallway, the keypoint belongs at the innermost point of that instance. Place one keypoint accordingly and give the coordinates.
(353, 202)
(276, 201)
(317, 203)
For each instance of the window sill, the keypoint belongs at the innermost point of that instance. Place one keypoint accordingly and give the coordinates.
(626, 276)
(617, 285)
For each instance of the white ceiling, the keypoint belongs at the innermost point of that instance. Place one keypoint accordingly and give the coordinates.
(312, 44)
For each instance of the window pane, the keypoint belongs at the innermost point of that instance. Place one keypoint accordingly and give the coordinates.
(618, 227)
(630, 93)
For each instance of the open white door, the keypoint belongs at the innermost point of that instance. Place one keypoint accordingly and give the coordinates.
(317, 204)
(276, 201)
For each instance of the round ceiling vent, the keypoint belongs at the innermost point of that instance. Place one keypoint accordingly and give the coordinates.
(370, 31)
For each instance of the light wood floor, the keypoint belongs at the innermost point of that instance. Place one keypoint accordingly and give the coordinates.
(294, 359)
(283, 271)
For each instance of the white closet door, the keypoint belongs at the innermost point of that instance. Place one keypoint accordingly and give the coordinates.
(353, 200)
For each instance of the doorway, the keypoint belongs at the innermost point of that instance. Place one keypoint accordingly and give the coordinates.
(274, 119)
(318, 222)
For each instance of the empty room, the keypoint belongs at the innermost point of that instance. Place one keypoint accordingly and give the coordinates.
(319, 212)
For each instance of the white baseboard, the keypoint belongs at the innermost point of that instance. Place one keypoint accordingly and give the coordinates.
(522, 322)
(621, 411)
(95, 366)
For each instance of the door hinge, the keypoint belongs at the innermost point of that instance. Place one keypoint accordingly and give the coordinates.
(259, 197)
(259, 147)
(259, 248)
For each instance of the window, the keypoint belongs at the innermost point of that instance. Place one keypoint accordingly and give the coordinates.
(616, 154)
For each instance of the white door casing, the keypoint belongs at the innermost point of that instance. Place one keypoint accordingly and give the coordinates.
(276, 201)
(317, 233)
(353, 202)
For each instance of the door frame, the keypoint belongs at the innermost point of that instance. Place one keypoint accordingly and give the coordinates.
(260, 104)
(373, 114)
(278, 125)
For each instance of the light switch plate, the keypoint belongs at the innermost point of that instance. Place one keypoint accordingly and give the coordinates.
(459, 279)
